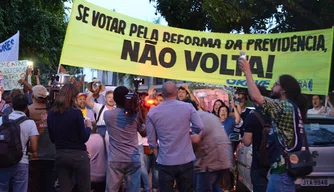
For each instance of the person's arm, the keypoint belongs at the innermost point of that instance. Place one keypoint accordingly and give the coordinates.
(236, 112)
(196, 121)
(76, 83)
(26, 86)
(331, 113)
(250, 124)
(196, 138)
(253, 91)
(38, 82)
(192, 96)
(151, 133)
(85, 127)
(89, 101)
(33, 138)
(273, 107)
(50, 127)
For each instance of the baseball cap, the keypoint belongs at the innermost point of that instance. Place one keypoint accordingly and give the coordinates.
(82, 94)
(39, 91)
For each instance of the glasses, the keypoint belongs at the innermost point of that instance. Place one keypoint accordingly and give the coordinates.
(276, 84)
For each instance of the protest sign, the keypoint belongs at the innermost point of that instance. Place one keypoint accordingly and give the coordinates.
(102, 39)
(9, 49)
(11, 72)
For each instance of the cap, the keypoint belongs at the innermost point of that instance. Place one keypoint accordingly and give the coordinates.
(82, 94)
(39, 91)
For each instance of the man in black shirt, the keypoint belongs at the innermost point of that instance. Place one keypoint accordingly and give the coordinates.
(253, 135)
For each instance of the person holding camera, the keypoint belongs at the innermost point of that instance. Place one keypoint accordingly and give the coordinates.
(96, 88)
(123, 157)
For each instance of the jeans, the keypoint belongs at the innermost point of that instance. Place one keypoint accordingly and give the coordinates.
(71, 163)
(209, 181)
(119, 170)
(281, 183)
(143, 171)
(16, 175)
(42, 175)
(183, 174)
(151, 165)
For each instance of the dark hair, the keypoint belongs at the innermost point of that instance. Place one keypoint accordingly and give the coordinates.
(318, 96)
(65, 98)
(192, 102)
(182, 88)
(15, 92)
(218, 100)
(224, 106)
(293, 93)
(20, 102)
(119, 95)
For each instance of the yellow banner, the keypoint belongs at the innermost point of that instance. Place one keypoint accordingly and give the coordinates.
(102, 39)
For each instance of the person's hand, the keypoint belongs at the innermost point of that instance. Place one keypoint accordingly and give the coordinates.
(2, 89)
(327, 99)
(151, 91)
(185, 86)
(20, 81)
(38, 73)
(232, 102)
(323, 110)
(244, 65)
(88, 123)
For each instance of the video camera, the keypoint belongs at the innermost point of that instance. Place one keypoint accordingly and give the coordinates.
(132, 99)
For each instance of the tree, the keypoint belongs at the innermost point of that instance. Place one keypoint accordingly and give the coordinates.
(249, 16)
(42, 25)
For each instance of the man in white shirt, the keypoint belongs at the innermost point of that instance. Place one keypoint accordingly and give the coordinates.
(318, 109)
(99, 110)
(17, 175)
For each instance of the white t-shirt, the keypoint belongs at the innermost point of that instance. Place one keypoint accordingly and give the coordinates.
(27, 128)
(315, 112)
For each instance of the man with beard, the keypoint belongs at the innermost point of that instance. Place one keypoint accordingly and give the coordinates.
(81, 102)
(290, 105)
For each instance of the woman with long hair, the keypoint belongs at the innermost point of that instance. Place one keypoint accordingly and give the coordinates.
(69, 132)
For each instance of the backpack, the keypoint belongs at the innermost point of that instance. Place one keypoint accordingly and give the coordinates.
(263, 149)
(10, 141)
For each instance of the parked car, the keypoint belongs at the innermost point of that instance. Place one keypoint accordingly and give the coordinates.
(320, 135)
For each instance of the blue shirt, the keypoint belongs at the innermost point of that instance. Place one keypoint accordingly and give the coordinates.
(229, 125)
(169, 122)
(123, 138)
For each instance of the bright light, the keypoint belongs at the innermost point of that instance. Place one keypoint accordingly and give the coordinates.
(150, 101)
(30, 64)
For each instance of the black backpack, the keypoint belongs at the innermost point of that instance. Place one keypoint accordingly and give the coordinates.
(10, 141)
(263, 149)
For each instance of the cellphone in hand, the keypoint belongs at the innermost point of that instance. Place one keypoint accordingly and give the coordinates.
(242, 55)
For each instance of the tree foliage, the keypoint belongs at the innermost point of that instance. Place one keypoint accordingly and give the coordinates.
(249, 16)
(42, 25)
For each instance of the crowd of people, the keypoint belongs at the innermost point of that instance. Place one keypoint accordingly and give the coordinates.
(89, 142)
